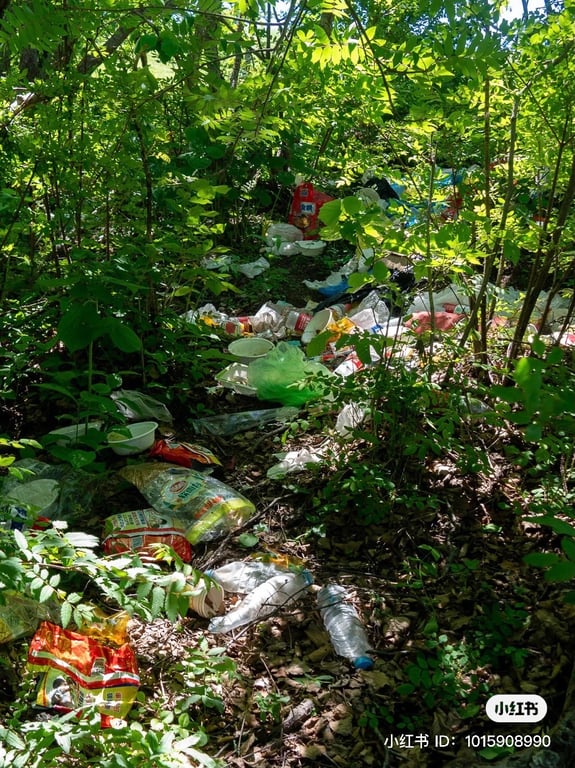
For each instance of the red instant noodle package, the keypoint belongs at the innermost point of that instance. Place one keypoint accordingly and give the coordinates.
(139, 529)
(78, 672)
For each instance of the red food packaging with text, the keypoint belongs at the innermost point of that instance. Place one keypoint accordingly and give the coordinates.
(77, 672)
(305, 209)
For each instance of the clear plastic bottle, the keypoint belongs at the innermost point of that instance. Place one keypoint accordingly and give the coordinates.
(232, 423)
(344, 626)
(267, 598)
(244, 575)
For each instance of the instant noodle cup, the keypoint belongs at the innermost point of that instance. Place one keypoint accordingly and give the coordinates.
(206, 598)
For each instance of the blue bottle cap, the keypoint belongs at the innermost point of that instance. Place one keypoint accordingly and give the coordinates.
(363, 662)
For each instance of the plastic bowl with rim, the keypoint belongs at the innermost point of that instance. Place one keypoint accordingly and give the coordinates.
(142, 436)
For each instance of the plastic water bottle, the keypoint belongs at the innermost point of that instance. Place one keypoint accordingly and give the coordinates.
(244, 575)
(267, 598)
(345, 629)
(232, 423)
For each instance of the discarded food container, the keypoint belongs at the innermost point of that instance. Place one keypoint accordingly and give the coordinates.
(37, 496)
(209, 508)
(249, 349)
(267, 598)
(110, 629)
(284, 233)
(297, 321)
(141, 530)
(318, 323)
(138, 406)
(244, 575)
(286, 376)
(74, 433)
(78, 671)
(311, 247)
(235, 376)
(232, 423)
(206, 598)
(141, 438)
(350, 365)
(20, 615)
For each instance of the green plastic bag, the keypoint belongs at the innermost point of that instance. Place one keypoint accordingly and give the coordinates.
(286, 376)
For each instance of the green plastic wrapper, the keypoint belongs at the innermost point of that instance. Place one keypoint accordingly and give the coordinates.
(286, 376)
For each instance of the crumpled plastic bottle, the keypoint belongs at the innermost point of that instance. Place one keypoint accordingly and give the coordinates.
(241, 576)
(267, 598)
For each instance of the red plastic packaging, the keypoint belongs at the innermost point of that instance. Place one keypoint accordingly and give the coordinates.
(77, 671)
(306, 205)
(185, 454)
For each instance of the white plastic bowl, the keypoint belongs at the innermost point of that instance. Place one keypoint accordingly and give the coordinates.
(73, 434)
(142, 438)
(311, 247)
(251, 348)
(318, 324)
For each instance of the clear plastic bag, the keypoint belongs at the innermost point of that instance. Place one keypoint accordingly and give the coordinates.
(208, 507)
(137, 406)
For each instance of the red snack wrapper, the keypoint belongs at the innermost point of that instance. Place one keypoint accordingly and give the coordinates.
(185, 454)
(78, 671)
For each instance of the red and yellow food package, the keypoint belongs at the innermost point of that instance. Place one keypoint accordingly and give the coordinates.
(79, 672)
(139, 529)
(184, 454)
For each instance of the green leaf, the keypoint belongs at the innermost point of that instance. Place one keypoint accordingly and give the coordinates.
(318, 344)
(158, 600)
(248, 540)
(380, 272)
(568, 546)
(21, 540)
(358, 279)
(350, 205)
(65, 614)
(533, 433)
(76, 457)
(507, 394)
(559, 526)
(168, 47)
(541, 559)
(563, 571)
(122, 336)
(494, 753)
(80, 326)
(146, 43)
(330, 212)
(555, 356)
(46, 593)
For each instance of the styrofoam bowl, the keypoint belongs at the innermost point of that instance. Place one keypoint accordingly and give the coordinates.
(311, 247)
(249, 349)
(142, 438)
